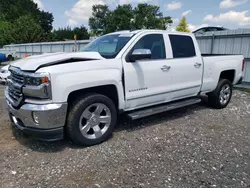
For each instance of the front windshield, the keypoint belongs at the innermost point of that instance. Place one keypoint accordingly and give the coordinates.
(108, 46)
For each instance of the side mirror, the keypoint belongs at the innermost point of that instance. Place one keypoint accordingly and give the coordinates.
(139, 54)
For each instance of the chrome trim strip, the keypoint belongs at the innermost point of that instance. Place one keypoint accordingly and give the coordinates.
(129, 99)
(45, 107)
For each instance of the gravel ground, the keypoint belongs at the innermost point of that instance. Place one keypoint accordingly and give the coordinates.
(190, 147)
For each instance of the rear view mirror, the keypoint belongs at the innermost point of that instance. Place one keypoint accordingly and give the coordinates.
(139, 54)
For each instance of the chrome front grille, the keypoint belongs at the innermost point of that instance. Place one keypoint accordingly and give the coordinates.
(15, 84)
(16, 76)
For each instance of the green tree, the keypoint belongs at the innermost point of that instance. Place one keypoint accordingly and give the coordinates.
(183, 26)
(81, 32)
(4, 30)
(10, 10)
(22, 21)
(68, 33)
(25, 30)
(120, 18)
(98, 20)
(63, 34)
(125, 17)
(149, 17)
(45, 20)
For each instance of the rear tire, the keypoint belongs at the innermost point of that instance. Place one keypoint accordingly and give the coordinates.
(222, 95)
(91, 119)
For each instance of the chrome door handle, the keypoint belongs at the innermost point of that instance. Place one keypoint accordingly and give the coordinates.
(165, 68)
(197, 65)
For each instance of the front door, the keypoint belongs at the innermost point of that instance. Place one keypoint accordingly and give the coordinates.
(147, 82)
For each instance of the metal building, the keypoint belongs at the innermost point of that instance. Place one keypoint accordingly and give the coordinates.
(228, 42)
(20, 50)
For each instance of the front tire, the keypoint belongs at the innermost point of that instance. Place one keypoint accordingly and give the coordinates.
(222, 95)
(91, 119)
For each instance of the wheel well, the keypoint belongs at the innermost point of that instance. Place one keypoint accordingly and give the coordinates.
(228, 74)
(108, 90)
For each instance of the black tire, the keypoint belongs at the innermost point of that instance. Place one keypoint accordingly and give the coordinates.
(214, 97)
(74, 115)
(10, 58)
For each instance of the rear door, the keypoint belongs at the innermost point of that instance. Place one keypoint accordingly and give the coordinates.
(186, 67)
(147, 82)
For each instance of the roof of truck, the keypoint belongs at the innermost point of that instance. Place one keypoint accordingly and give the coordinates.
(149, 30)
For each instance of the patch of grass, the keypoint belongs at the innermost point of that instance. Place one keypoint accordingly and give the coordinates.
(248, 90)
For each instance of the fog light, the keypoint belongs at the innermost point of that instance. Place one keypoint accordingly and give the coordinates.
(35, 118)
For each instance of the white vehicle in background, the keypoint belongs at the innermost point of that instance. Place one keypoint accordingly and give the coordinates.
(139, 73)
(10, 54)
(4, 73)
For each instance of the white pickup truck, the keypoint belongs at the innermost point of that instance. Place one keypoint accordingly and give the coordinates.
(139, 73)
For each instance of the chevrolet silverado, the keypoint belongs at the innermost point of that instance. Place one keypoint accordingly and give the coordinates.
(139, 73)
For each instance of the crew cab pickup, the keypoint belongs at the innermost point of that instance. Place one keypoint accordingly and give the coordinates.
(139, 73)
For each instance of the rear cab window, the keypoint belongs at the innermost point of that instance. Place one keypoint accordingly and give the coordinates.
(182, 46)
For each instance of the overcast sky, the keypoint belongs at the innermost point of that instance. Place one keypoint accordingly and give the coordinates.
(227, 13)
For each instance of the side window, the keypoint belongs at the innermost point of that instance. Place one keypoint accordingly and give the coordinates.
(212, 29)
(153, 42)
(200, 31)
(182, 46)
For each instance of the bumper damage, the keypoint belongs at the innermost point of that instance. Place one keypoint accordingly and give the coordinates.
(40, 134)
(44, 122)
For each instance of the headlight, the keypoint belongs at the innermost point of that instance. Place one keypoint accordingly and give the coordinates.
(37, 85)
(36, 79)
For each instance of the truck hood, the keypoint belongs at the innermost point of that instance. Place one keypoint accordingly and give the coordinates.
(33, 63)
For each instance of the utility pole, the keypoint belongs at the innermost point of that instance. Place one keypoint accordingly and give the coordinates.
(75, 38)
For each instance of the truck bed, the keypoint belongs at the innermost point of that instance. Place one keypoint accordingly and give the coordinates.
(215, 64)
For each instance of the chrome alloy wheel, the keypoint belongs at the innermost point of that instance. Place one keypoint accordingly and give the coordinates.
(225, 94)
(95, 121)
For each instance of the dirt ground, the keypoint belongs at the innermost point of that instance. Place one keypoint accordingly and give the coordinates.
(191, 147)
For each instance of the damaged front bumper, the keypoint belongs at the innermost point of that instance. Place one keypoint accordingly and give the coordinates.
(45, 122)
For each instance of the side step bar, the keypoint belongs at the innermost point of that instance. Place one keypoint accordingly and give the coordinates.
(162, 108)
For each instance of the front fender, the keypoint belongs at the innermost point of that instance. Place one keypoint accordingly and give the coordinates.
(64, 84)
